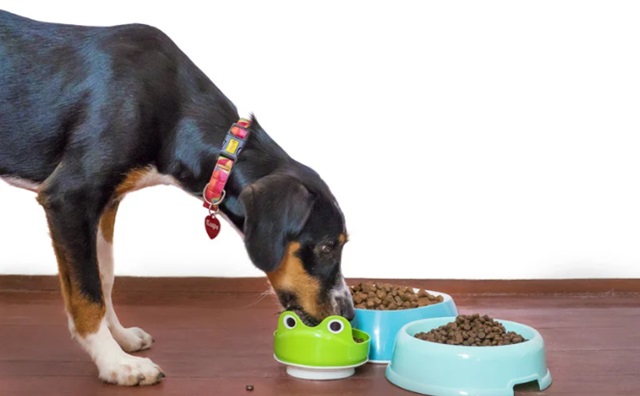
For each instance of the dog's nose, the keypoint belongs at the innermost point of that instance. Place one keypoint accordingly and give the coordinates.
(345, 305)
(342, 301)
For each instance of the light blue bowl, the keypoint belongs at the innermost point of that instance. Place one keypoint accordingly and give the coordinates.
(447, 370)
(383, 326)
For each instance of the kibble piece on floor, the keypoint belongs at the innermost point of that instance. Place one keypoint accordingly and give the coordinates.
(472, 330)
(249, 387)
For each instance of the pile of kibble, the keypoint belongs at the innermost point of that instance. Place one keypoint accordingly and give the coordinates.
(385, 296)
(472, 330)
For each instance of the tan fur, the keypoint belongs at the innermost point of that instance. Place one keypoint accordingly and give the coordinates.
(86, 314)
(108, 220)
(292, 277)
(131, 182)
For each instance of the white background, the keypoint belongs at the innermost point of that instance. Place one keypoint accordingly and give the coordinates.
(492, 139)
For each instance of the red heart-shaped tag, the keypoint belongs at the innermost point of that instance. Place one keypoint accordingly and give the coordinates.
(212, 226)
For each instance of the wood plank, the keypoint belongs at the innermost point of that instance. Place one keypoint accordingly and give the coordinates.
(250, 285)
(285, 386)
(605, 383)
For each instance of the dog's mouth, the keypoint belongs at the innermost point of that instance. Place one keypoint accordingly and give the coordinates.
(290, 302)
(305, 317)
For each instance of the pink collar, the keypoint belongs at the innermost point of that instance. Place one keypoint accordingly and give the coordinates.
(214, 192)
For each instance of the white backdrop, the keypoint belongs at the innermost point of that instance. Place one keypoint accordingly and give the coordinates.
(493, 139)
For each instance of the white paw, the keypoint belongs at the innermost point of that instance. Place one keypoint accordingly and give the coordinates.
(130, 371)
(132, 339)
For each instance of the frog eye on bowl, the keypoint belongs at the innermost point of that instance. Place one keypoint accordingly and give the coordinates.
(335, 326)
(290, 322)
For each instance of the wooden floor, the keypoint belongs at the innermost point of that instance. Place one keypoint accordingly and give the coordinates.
(212, 342)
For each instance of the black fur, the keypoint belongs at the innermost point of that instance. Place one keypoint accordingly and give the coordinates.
(276, 208)
(81, 107)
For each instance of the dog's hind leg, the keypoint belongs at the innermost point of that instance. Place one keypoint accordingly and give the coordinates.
(74, 201)
(130, 339)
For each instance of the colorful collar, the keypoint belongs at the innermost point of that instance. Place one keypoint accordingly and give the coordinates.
(214, 192)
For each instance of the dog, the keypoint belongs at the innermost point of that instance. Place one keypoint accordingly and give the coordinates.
(90, 114)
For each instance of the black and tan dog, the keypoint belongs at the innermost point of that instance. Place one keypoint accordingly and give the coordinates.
(89, 114)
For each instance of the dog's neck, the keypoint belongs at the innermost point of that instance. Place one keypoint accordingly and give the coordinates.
(260, 157)
(195, 145)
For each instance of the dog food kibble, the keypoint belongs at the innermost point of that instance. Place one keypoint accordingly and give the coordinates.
(358, 340)
(472, 330)
(249, 387)
(389, 297)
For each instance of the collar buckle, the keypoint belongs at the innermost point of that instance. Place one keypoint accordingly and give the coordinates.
(234, 142)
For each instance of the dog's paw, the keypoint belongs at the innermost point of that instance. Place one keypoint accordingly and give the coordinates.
(130, 371)
(132, 339)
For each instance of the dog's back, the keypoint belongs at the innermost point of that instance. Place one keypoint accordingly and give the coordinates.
(64, 85)
(37, 61)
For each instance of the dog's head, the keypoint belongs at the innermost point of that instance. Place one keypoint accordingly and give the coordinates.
(294, 231)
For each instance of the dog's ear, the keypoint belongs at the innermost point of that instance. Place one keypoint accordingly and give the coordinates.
(276, 208)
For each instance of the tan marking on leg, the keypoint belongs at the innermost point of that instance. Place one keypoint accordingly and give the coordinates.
(86, 314)
(63, 274)
(108, 220)
(343, 238)
(291, 276)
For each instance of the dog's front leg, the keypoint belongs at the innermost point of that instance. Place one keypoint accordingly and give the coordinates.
(130, 339)
(73, 214)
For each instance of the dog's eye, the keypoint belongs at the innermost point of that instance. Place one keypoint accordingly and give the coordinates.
(335, 326)
(290, 322)
(326, 248)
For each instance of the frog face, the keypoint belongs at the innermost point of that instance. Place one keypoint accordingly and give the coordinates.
(331, 343)
(332, 327)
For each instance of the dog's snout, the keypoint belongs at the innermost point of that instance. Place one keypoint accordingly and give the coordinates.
(342, 301)
(346, 309)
